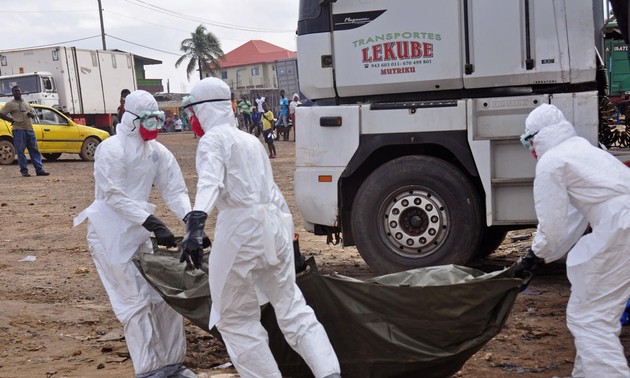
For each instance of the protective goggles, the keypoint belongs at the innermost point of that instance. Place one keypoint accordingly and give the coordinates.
(526, 140)
(150, 120)
(189, 102)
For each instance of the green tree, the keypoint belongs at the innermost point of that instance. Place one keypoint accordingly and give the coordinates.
(203, 51)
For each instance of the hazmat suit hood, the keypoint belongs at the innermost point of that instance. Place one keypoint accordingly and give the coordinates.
(128, 130)
(549, 126)
(136, 102)
(218, 108)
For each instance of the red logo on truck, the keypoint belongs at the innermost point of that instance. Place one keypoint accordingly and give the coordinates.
(400, 50)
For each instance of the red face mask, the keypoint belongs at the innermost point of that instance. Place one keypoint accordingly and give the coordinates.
(149, 121)
(148, 134)
(195, 125)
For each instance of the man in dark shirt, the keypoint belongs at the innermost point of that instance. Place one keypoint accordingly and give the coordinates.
(121, 107)
(20, 117)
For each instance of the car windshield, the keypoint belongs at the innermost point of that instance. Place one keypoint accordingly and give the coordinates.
(28, 84)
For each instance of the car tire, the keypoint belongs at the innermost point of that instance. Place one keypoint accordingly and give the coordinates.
(7, 152)
(52, 156)
(416, 211)
(88, 149)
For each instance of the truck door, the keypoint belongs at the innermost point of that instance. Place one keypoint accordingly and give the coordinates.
(49, 94)
(516, 43)
(315, 63)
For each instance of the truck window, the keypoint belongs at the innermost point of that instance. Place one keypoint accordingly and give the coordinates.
(48, 85)
(309, 9)
(314, 17)
(5, 88)
(28, 84)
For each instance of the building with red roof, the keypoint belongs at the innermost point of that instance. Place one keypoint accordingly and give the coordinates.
(255, 64)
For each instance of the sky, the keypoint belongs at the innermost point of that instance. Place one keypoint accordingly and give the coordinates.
(149, 28)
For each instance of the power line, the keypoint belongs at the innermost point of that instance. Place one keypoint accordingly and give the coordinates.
(146, 47)
(149, 6)
(214, 23)
(49, 11)
(56, 43)
(162, 26)
(187, 17)
(145, 22)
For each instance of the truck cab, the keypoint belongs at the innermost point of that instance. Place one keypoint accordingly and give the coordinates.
(37, 88)
(411, 151)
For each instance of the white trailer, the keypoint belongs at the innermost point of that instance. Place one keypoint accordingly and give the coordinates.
(411, 150)
(87, 83)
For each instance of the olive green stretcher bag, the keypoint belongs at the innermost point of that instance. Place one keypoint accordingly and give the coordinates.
(424, 322)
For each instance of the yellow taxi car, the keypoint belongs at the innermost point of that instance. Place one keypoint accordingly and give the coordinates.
(56, 134)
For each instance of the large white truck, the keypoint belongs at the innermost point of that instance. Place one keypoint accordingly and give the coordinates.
(85, 84)
(411, 149)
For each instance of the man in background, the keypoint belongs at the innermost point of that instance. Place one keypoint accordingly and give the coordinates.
(292, 108)
(244, 108)
(177, 123)
(21, 115)
(259, 101)
(121, 107)
(283, 117)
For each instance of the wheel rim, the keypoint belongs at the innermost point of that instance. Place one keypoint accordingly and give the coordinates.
(90, 148)
(7, 154)
(414, 222)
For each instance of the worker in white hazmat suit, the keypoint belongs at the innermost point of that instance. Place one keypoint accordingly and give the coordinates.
(126, 166)
(251, 261)
(573, 174)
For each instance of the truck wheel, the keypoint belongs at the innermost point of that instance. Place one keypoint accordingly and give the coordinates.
(7, 152)
(51, 157)
(416, 211)
(89, 148)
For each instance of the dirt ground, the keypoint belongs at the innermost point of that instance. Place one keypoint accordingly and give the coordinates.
(56, 320)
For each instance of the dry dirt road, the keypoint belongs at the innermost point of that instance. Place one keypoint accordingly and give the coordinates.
(56, 321)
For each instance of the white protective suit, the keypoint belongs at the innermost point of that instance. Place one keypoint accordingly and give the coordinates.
(570, 172)
(251, 260)
(125, 169)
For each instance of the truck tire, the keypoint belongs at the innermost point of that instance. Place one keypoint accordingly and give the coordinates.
(416, 211)
(52, 156)
(492, 238)
(7, 152)
(89, 148)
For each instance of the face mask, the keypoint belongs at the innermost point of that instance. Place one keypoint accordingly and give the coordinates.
(148, 135)
(150, 122)
(527, 140)
(195, 125)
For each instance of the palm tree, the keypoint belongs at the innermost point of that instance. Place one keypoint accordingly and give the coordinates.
(203, 50)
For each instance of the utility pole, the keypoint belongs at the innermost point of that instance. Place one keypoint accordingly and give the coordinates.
(100, 13)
